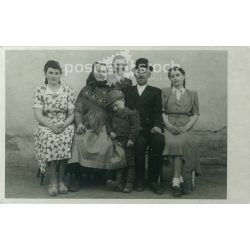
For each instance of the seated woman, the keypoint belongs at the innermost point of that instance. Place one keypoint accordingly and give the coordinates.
(180, 113)
(92, 147)
(54, 111)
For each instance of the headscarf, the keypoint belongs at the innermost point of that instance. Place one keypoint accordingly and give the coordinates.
(91, 80)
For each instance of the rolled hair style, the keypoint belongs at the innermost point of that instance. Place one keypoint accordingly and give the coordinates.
(51, 64)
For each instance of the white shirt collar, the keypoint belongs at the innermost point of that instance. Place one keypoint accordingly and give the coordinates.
(178, 92)
(141, 88)
(50, 92)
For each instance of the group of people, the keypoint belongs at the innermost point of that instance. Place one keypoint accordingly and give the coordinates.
(112, 124)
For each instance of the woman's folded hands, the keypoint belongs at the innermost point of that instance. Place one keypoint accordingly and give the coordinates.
(175, 130)
(57, 128)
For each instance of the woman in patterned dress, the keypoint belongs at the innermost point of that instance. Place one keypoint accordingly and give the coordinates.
(54, 111)
(92, 147)
(180, 113)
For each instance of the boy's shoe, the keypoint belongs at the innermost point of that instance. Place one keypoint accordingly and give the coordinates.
(128, 188)
(62, 188)
(53, 189)
(177, 192)
(119, 187)
(184, 188)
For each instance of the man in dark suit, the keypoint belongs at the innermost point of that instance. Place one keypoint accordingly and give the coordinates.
(147, 101)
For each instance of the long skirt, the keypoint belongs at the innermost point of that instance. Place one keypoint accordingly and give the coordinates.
(94, 150)
(183, 145)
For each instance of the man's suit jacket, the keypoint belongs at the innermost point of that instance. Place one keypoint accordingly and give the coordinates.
(148, 105)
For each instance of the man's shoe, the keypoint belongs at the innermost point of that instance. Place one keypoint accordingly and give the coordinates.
(156, 188)
(139, 186)
(177, 192)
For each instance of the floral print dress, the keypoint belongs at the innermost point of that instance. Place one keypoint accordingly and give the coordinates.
(48, 145)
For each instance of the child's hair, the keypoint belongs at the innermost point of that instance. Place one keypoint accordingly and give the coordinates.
(179, 69)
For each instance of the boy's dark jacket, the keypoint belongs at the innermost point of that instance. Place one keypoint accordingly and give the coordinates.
(124, 123)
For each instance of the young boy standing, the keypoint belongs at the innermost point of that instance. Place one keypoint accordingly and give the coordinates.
(124, 126)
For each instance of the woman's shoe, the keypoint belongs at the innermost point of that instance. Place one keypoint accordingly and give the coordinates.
(128, 188)
(62, 188)
(177, 192)
(53, 189)
(184, 188)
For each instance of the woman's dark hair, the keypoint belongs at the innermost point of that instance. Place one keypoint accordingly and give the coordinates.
(179, 69)
(52, 64)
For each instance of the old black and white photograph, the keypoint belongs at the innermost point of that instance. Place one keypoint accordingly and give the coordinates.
(126, 123)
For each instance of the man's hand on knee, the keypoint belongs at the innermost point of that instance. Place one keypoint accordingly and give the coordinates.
(155, 129)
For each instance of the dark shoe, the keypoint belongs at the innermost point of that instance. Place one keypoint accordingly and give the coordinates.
(177, 192)
(128, 188)
(184, 188)
(115, 185)
(73, 183)
(156, 188)
(139, 186)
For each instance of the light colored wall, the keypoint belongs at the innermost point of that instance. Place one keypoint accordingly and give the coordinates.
(206, 73)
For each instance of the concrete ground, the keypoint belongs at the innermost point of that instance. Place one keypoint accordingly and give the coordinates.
(21, 182)
(21, 169)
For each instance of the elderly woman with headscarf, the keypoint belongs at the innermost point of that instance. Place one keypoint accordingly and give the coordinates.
(92, 147)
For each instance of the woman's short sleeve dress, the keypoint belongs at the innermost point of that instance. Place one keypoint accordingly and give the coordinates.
(179, 113)
(48, 145)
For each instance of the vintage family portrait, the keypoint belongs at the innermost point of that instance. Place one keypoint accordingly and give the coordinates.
(108, 123)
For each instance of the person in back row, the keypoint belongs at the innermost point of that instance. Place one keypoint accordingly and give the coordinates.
(118, 79)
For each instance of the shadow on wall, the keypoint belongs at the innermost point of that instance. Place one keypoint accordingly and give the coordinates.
(212, 145)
